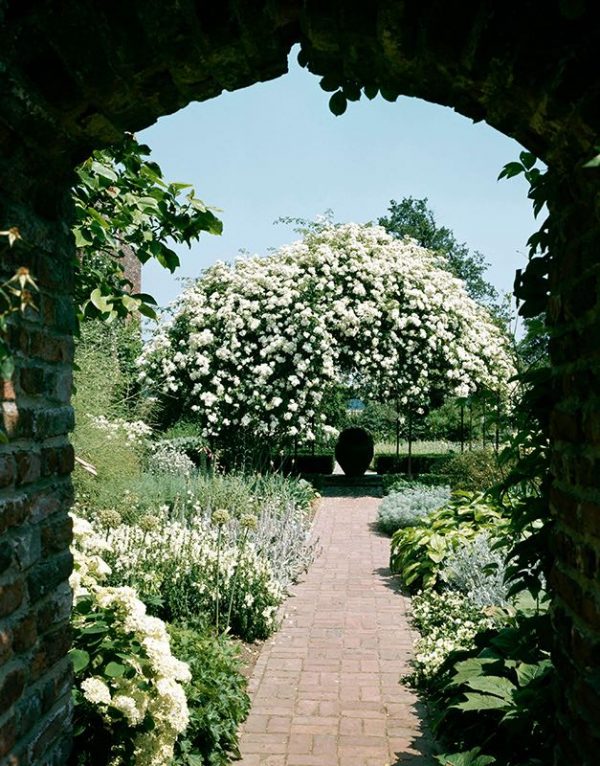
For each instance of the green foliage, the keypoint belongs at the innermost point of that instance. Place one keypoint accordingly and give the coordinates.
(414, 218)
(469, 758)
(217, 697)
(417, 552)
(474, 470)
(103, 651)
(498, 694)
(16, 295)
(407, 506)
(420, 464)
(105, 387)
(123, 206)
(128, 703)
(396, 482)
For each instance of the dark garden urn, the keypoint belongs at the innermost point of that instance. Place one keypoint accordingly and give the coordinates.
(354, 451)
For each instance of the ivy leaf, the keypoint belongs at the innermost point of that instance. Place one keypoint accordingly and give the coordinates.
(510, 170)
(352, 91)
(370, 91)
(389, 95)
(329, 83)
(528, 160)
(338, 103)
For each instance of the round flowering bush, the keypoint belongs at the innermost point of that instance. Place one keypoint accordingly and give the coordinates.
(165, 459)
(130, 705)
(257, 347)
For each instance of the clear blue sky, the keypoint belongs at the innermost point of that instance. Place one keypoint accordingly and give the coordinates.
(275, 149)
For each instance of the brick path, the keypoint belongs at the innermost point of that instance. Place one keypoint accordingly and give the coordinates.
(325, 689)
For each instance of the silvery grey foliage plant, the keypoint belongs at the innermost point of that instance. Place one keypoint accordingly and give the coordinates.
(477, 570)
(407, 506)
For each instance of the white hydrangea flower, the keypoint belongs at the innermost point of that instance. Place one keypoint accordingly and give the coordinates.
(96, 691)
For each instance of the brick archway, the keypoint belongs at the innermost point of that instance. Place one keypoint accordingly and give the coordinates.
(74, 75)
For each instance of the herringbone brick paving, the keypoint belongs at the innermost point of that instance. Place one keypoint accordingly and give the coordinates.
(325, 690)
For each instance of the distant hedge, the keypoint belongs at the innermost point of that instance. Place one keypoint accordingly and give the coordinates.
(421, 464)
(301, 464)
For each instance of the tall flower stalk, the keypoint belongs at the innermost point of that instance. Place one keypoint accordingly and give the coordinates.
(220, 517)
(247, 522)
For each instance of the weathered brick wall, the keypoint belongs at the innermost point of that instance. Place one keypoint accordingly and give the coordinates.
(35, 492)
(74, 75)
(575, 434)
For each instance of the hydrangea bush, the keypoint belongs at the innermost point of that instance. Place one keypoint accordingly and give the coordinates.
(256, 347)
(130, 705)
(406, 507)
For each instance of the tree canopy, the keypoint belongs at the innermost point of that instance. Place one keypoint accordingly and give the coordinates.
(412, 217)
(259, 344)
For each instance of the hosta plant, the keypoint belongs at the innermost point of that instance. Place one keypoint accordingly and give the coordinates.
(418, 552)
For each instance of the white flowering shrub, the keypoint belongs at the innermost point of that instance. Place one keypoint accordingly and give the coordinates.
(256, 347)
(165, 459)
(446, 621)
(191, 569)
(134, 432)
(409, 505)
(130, 705)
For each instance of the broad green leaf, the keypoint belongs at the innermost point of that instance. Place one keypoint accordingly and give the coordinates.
(92, 629)
(496, 685)
(147, 311)
(79, 658)
(478, 702)
(468, 668)
(593, 163)
(131, 304)
(466, 758)
(114, 669)
(104, 171)
(329, 83)
(100, 301)
(389, 95)
(526, 673)
(81, 238)
(351, 91)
